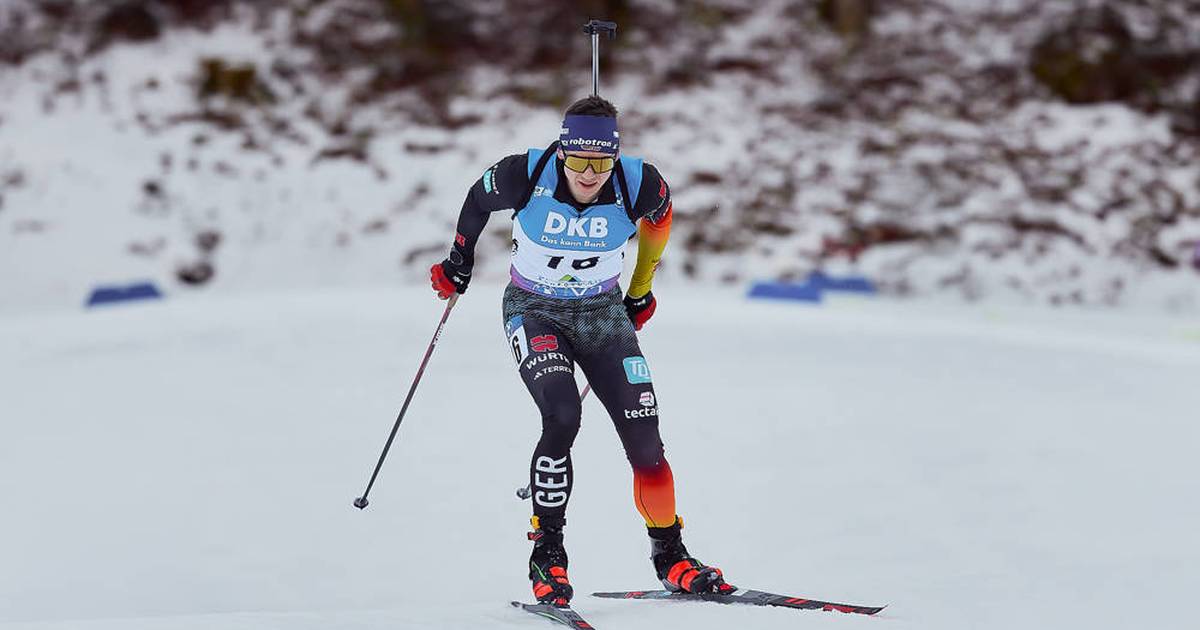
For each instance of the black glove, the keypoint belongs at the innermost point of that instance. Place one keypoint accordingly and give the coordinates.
(640, 310)
(447, 277)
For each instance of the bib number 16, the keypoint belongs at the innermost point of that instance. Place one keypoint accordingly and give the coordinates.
(577, 264)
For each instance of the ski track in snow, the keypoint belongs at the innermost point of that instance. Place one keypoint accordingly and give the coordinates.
(191, 464)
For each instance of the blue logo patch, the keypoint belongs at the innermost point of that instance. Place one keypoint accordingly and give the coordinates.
(513, 324)
(636, 370)
(489, 181)
(517, 342)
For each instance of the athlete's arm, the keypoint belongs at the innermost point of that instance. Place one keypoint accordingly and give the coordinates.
(653, 206)
(501, 187)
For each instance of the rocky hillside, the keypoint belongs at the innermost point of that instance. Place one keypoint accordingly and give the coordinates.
(1038, 149)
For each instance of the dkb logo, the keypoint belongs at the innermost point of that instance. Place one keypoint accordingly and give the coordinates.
(586, 227)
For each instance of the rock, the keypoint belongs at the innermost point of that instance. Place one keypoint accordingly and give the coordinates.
(129, 21)
(195, 274)
(1093, 57)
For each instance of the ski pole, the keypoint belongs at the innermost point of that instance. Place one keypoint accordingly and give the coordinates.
(361, 502)
(527, 491)
(594, 28)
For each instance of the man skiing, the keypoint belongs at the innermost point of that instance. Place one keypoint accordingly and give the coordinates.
(575, 205)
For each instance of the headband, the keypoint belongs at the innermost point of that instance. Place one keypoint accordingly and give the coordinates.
(589, 133)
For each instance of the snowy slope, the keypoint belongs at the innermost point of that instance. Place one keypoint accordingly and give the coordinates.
(190, 465)
(112, 167)
(84, 213)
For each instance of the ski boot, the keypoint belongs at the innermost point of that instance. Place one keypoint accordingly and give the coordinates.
(677, 569)
(548, 562)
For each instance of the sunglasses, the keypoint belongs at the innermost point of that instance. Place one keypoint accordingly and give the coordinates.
(581, 164)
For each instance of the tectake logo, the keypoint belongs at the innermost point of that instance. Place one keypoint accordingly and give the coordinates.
(584, 227)
(641, 413)
(646, 399)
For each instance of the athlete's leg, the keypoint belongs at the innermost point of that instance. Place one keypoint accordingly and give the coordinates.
(608, 351)
(545, 360)
(621, 379)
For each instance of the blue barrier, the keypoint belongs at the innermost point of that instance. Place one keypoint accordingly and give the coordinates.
(848, 284)
(813, 288)
(803, 292)
(129, 293)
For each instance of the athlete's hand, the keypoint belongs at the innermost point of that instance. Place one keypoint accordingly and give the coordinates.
(641, 309)
(448, 279)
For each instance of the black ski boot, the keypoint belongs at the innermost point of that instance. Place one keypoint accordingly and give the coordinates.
(677, 569)
(548, 562)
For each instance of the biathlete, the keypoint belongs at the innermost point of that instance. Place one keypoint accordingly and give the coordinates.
(575, 205)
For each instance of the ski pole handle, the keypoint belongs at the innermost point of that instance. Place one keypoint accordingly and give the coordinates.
(601, 26)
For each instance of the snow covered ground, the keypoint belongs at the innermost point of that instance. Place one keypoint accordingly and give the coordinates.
(190, 465)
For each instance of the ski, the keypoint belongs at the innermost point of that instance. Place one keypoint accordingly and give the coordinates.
(743, 596)
(564, 616)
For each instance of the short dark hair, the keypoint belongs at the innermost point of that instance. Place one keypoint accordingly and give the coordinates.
(592, 106)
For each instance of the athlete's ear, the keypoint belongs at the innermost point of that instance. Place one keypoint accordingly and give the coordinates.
(560, 153)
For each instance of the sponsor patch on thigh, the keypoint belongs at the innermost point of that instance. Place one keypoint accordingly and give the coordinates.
(544, 343)
(517, 342)
(636, 370)
(647, 407)
(547, 363)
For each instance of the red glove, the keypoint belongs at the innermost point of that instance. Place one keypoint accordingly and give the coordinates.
(447, 284)
(640, 310)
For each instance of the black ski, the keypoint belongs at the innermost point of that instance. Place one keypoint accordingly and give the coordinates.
(742, 596)
(564, 616)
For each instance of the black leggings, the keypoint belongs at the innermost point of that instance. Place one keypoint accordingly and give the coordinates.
(548, 337)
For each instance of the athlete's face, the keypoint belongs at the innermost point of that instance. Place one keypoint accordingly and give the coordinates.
(585, 186)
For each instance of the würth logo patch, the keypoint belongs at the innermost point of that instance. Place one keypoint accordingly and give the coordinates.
(544, 343)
